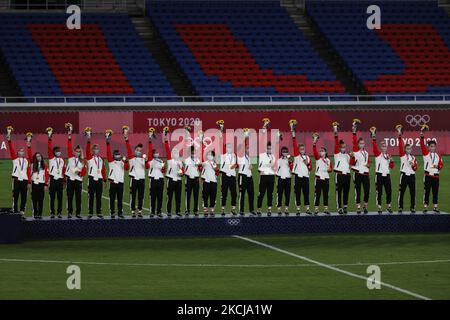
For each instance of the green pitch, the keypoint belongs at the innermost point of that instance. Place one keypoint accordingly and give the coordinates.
(413, 266)
(444, 195)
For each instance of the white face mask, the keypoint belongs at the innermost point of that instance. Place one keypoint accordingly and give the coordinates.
(117, 157)
(175, 154)
(322, 154)
(285, 154)
(362, 145)
(58, 154)
(229, 150)
(21, 154)
(210, 157)
(156, 155)
(138, 154)
(342, 150)
(96, 152)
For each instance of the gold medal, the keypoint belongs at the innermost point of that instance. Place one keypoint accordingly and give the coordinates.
(98, 171)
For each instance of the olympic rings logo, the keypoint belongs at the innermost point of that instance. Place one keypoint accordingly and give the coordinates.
(234, 222)
(417, 120)
(196, 142)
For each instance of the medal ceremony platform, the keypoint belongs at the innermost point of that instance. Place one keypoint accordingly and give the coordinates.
(14, 229)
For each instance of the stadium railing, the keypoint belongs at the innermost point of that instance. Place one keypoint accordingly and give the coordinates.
(63, 4)
(441, 99)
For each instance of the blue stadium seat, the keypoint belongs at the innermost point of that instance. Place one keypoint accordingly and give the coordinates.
(37, 61)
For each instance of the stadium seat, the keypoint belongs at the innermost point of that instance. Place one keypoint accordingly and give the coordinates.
(409, 54)
(105, 57)
(241, 48)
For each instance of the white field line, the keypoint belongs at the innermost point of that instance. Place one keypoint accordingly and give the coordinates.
(331, 267)
(204, 265)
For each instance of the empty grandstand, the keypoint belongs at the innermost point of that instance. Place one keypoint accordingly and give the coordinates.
(106, 56)
(410, 53)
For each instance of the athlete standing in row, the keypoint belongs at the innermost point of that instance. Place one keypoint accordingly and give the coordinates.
(57, 169)
(322, 180)
(246, 185)
(284, 168)
(138, 165)
(341, 170)
(21, 175)
(228, 165)
(383, 166)
(192, 183)
(210, 171)
(360, 162)
(408, 168)
(174, 175)
(117, 165)
(75, 171)
(302, 168)
(266, 168)
(96, 174)
(156, 169)
(432, 165)
(39, 181)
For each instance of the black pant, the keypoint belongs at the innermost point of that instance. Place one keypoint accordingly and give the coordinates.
(115, 192)
(407, 182)
(430, 184)
(137, 188)
(156, 195)
(246, 186)
(74, 189)
(283, 187)
(266, 184)
(383, 182)
(342, 189)
(174, 187)
(55, 191)
(192, 186)
(362, 180)
(37, 197)
(228, 183)
(301, 185)
(209, 194)
(20, 189)
(95, 189)
(321, 187)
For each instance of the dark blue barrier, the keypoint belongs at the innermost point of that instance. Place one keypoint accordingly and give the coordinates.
(96, 228)
(10, 228)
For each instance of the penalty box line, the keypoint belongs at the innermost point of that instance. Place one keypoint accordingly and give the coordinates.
(331, 267)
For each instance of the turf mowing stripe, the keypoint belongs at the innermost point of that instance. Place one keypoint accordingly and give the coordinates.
(201, 265)
(327, 266)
